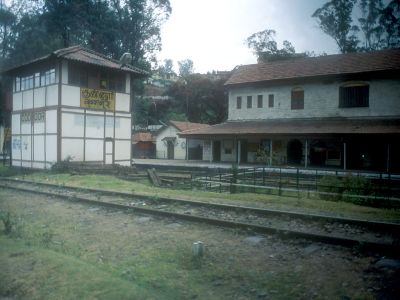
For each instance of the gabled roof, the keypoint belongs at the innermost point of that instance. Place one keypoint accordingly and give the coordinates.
(185, 126)
(339, 64)
(298, 127)
(83, 55)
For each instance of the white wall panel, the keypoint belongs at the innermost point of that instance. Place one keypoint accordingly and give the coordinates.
(27, 99)
(26, 128)
(122, 150)
(122, 102)
(39, 97)
(26, 146)
(52, 95)
(72, 125)
(38, 147)
(26, 164)
(16, 147)
(70, 96)
(64, 71)
(72, 148)
(17, 101)
(124, 163)
(95, 126)
(128, 83)
(38, 127)
(37, 165)
(15, 123)
(51, 148)
(94, 150)
(123, 131)
(109, 127)
(16, 163)
(51, 121)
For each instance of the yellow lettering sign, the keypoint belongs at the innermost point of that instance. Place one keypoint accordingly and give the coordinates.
(97, 99)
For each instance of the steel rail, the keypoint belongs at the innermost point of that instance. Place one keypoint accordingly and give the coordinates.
(384, 226)
(384, 248)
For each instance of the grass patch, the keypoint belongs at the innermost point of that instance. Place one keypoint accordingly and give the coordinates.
(70, 251)
(29, 272)
(303, 203)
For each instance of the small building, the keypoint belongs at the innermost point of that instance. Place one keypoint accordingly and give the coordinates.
(73, 104)
(169, 145)
(143, 145)
(338, 111)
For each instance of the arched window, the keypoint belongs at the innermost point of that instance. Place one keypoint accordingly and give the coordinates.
(355, 94)
(297, 100)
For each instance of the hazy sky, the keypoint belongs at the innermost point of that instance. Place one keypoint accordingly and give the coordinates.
(212, 32)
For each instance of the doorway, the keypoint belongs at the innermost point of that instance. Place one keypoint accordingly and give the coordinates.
(170, 150)
(294, 152)
(217, 151)
(243, 151)
(109, 152)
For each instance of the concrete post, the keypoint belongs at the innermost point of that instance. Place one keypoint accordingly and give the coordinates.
(306, 154)
(344, 156)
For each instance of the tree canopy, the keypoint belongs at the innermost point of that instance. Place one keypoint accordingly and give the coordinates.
(266, 48)
(378, 27)
(32, 28)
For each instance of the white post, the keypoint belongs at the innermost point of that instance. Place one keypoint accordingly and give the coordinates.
(239, 152)
(187, 148)
(270, 152)
(306, 154)
(211, 151)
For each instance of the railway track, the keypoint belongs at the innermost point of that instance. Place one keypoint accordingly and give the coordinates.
(382, 237)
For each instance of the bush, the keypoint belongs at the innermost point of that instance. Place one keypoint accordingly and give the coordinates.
(331, 185)
(345, 188)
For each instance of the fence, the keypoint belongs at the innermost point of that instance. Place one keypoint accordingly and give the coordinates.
(352, 186)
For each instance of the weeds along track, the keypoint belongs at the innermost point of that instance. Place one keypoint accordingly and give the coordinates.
(377, 236)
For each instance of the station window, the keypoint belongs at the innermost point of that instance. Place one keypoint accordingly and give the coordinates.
(354, 96)
(271, 100)
(297, 99)
(239, 102)
(249, 101)
(36, 80)
(259, 101)
(83, 76)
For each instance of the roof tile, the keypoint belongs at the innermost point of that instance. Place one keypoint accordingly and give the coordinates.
(338, 64)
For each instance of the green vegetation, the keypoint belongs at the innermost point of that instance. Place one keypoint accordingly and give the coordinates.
(72, 251)
(303, 203)
(32, 272)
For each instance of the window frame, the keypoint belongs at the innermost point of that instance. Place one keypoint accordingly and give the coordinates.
(239, 102)
(354, 95)
(260, 101)
(271, 100)
(249, 102)
(297, 98)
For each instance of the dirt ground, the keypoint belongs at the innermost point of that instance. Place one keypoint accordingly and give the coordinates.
(155, 253)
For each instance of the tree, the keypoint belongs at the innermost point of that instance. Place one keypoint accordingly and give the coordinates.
(390, 21)
(7, 22)
(266, 48)
(185, 67)
(200, 97)
(335, 19)
(111, 27)
(369, 24)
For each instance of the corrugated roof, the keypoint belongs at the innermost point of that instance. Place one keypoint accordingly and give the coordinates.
(339, 64)
(299, 126)
(185, 126)
(81, 54)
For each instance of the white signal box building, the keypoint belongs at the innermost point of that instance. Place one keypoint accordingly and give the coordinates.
(73, 104)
